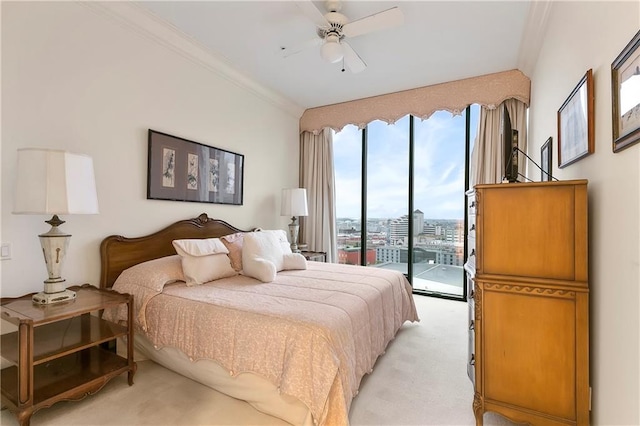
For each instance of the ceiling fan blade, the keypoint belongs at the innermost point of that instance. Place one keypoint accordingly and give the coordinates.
(311, 12)
(285, 52)
(379, 21)
(352, 59)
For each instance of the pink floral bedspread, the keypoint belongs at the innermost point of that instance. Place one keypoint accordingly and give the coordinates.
(313, 333)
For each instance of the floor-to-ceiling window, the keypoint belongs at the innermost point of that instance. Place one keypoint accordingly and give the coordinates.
(400, 197)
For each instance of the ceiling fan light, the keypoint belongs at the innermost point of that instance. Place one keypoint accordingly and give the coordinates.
(331, 51)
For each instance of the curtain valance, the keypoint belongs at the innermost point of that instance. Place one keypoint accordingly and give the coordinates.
(488, 90)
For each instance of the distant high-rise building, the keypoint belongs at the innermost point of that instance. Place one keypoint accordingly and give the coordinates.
(418, 222)
(429, 229)
(399, 228)
(432, 229)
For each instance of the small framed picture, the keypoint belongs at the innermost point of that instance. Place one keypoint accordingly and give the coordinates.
(575, 123)
(625, 93)
(183, 170)
(545, 161)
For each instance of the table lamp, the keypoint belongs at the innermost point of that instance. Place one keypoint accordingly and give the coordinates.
(294, 204)
(54, 182)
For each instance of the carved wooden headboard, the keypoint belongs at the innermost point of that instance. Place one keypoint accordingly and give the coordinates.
(118, 253)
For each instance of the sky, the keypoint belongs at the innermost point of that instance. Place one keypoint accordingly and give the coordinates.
(438, 173)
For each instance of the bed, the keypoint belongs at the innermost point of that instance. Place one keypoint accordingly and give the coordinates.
(295, 347)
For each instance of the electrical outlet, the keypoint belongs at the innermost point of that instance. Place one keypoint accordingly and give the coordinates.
(5, 251)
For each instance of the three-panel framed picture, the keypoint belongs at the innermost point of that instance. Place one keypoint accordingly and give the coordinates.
(184, 170)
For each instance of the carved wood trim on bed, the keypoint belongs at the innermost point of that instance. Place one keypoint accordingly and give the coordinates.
(118, 253)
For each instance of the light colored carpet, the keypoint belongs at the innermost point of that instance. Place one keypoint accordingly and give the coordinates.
(420, 380)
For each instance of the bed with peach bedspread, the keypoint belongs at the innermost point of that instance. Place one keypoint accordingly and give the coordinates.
(312, 334)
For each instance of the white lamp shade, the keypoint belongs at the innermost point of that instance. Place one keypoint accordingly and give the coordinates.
(294, 202)
(54, 182)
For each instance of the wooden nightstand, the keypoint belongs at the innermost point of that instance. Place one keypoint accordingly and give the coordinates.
(316, 256)
(57, 352)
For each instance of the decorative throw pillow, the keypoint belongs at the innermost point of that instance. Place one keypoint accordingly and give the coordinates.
(154, 274)
(204, 260)
(233, 243)
(266, 252)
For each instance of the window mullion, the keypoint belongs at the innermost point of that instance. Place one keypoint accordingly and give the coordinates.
(410, 203)
(363, 205)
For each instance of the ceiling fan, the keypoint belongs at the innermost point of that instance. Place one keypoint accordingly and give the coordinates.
(333, 28)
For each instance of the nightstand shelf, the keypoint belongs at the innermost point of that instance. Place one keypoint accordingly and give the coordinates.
(57, 351)
(315, 256)
(61, 378)
(51, 341)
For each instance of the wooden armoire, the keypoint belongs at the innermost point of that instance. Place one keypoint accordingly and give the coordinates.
(528, 298)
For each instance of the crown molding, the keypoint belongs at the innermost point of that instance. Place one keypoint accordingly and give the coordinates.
(137, 18)
(533, 35)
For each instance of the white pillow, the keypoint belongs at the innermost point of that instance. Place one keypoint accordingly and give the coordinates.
(261, 269)
(266, 252)
(204, 260)
(293, 261)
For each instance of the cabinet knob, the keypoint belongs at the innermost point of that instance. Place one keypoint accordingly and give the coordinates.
(473, 294)
(472, 361)
(472, 325)
(473, 227)
(473, 252)
(473, 204)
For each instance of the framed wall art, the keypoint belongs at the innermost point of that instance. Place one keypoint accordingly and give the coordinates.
(625, 94)
(183, 170)
(545, 161)
(576, 123)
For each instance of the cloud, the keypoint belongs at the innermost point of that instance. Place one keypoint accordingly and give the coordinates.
(438, 168)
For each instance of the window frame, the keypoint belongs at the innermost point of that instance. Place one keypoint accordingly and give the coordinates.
(411, 182)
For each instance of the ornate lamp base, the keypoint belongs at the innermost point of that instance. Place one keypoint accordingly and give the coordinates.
(54, 247)
(43, 298)
(293, 234)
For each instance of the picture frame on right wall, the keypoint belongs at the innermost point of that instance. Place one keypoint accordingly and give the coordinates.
(576, 123)
(545, 161)
(625, 94)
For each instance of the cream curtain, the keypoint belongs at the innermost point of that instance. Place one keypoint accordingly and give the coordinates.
(318, 229)
(486, 158)
(518, 114)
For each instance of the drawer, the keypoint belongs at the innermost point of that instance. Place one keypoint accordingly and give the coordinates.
(471, 204)
(471, 254)
(470, 288)
(471, 226)
(471, 364)
(471, 353)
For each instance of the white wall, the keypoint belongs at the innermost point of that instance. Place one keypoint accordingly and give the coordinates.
(583, 35)
(74, 78)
